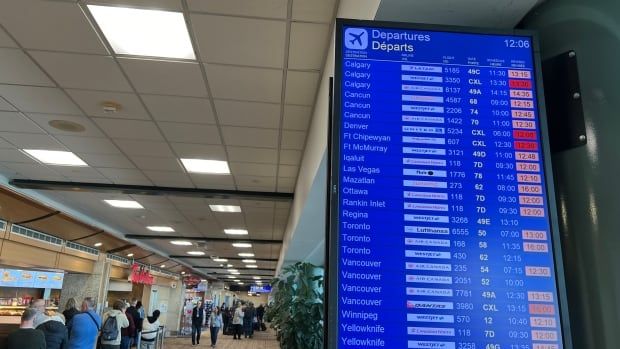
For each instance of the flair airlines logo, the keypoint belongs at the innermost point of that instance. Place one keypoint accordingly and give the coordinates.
(356, 39)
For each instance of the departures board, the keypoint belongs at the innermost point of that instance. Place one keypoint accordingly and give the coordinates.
(443, 231)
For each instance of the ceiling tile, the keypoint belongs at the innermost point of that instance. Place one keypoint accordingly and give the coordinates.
(164, 77)
(252, 169)
(156, 163)
(313, 11)
(125, 176)
(248, 114)
(250, 137)
(14, 155)
(4, 105)
(288, 171)
(253, 8)
(35, 171)
(308, 45)
(290, 157)
(32, 141)
(251, 84)
(43, 121)
(213, 181)
(190, 133)
(180, 109)
(81, 174)
(256, 181)
(5, 40)
(286, 185)
(129, 129)
(257, 155)
(16, 122)
(90, 145)
(296, 117)
(202, 151)
(82, 71)
(106, 160)
(92, 104)
(144, 148)
(257, 42)
(39, 99)
(50, 25)
(17, 68)
(301, 87)
(293, 140)
(169, 179)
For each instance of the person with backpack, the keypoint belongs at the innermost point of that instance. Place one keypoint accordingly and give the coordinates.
(113, 321)
(84, 327)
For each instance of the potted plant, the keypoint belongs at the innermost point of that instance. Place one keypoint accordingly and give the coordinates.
(296, 312)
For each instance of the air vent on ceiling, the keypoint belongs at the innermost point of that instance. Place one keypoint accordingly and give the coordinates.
(114, 257)
(82, 248)
(35, 235)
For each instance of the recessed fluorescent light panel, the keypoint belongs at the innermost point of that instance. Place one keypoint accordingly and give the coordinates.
(225, 208)
(98, 244)
(245, 254)
(231, 277)
(123, 203)
(220, 260)
(249, 261)
(55, 157)
(256, 277)
(160, 229)
(242, 245)
(139, 32)
(130, 255)
(163, 266)
(252, 266)
(195, 253)
(206, 166)
(235, 232)
(181, 243)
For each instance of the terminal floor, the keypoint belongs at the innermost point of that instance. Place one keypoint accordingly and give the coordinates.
(261, 340)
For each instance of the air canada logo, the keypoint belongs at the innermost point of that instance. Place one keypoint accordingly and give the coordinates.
(356, 39)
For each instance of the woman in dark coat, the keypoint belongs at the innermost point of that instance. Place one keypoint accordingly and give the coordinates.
(248, 317)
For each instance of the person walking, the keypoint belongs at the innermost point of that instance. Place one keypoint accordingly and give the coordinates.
(260, 313)
(237, 322)
(215, 323)
(128, 334)
(70, 310)
(248, 320)
(198, 316)
(54, 330)
(226, 316)
(149, 331)
(26, 337)
(113, 321)
(85, 326)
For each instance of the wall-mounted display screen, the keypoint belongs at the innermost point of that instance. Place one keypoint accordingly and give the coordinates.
(441, 233)
(260, 288)
(31, 279)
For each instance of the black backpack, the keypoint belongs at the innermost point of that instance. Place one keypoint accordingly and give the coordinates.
(109, 331)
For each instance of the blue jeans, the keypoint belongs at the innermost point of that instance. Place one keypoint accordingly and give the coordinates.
(125, 342)
(214, 331)
(196, 329)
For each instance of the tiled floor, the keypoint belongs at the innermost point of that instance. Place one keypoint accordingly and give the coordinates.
(261, 340)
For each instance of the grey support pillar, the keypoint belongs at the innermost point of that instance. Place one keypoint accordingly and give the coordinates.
(588, 177)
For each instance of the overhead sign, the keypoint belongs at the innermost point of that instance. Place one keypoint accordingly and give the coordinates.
(441, 197)
(141, 275)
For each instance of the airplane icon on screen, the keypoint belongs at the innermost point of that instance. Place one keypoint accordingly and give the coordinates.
(356, 39)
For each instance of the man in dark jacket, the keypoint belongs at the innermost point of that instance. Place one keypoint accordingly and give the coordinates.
(128, 333)
(133, 311)
(53, 327)
(198, 316)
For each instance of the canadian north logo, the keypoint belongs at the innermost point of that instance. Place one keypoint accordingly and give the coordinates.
(356, 39)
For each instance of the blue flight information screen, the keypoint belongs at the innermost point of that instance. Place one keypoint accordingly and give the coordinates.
(443, 227)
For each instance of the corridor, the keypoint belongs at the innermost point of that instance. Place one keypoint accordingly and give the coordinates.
(261, 340)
